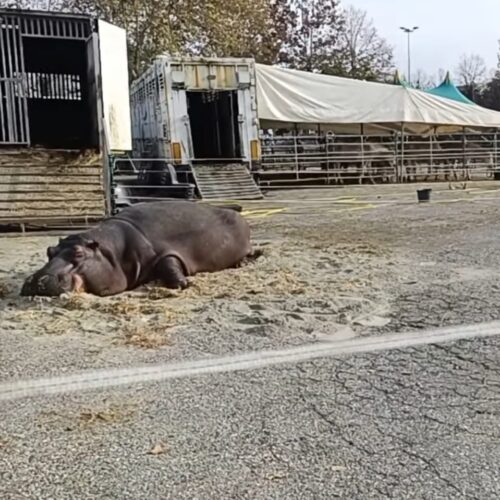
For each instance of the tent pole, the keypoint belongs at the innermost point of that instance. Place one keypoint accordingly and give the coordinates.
(295, 140)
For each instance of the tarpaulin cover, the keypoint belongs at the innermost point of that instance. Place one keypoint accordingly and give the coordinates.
(309, 100)
(449, 90)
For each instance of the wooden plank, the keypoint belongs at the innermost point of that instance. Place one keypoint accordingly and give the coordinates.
(22, 206)
(50, 182)
(49, 199)
(55, 170)
(46, 186)
(69, 190)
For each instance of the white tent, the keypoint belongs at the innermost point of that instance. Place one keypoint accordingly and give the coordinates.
(286, 96)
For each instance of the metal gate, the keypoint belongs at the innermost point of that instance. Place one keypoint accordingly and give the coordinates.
(16, 86)
(13, 105)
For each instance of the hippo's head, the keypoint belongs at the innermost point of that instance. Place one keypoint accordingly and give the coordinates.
(75, 264)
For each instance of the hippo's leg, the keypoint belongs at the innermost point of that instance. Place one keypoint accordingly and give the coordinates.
(170, 272)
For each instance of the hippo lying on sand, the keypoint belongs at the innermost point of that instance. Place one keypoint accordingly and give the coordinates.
(165, 241)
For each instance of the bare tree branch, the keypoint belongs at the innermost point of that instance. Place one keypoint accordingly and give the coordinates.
(366, 55)
(471, 70)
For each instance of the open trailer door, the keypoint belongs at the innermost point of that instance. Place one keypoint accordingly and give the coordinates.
(115, 86)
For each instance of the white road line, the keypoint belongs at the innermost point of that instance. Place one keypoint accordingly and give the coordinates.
(100, 379)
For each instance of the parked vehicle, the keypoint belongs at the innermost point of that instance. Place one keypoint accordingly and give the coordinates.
(199, 117)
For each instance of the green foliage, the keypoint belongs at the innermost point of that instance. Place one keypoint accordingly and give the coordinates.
(312, 35)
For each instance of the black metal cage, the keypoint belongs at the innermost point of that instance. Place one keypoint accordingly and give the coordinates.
(47, 80)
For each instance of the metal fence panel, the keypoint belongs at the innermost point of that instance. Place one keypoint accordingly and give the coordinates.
(293, 159)
(13, 106)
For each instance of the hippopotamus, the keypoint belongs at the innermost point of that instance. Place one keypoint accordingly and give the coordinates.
(164, 241)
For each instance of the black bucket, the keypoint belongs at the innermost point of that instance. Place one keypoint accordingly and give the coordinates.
(424, 195)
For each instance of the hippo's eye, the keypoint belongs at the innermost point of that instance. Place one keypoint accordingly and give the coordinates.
(78, 254)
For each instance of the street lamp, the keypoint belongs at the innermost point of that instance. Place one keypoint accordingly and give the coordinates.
(409, 31)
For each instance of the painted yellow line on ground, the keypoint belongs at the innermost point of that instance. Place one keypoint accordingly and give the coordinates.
(258, 214)
(352, 209)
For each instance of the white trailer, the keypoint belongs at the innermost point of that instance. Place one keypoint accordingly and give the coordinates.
(200, 114)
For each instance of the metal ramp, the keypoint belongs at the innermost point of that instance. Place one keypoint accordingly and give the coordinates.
(225, 182)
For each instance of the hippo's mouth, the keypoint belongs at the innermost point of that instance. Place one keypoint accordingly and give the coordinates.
(78, 283)
(50, 285)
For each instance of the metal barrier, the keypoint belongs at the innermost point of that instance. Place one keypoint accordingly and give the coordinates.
(294, 159)
(134, 180)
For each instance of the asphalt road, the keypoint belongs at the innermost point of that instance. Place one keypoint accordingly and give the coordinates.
(416, 423)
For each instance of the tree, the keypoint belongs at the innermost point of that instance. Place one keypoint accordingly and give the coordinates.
(441, 75)
(243, 29)
(490, 95)
(312, 42)
(217, 28)
(365, 54)
(471, 72)
(423, 80)
(153, 26)
(31, 4)
(221, 28)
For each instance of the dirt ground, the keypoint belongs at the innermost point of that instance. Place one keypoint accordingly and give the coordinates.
(334, 264)
(420, 422)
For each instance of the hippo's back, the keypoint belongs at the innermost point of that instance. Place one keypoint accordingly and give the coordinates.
(206, 238)
(172, 218)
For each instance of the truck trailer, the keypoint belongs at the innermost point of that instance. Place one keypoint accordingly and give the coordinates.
(64, 109)
(194, 121)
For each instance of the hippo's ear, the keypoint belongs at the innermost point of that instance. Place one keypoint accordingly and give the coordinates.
(93, 245)
(51, 252)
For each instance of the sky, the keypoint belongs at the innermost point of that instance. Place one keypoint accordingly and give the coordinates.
(446, 30)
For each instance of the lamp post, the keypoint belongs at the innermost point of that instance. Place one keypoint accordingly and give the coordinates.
(409, 31)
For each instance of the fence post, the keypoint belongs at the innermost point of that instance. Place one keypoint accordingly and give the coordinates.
(431, 153)
(327, 143)
(396, 157)
(295, 138)
(402, 169)
(496, 176)
(464, 159)
(112, 185)
(362, 143)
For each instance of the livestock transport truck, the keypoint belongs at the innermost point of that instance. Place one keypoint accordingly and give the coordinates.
(64, 110)
(195, 131)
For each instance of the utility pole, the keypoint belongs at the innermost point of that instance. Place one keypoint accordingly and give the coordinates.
(409, 31)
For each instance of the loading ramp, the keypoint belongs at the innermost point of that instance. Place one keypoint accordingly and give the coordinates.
(226, 182)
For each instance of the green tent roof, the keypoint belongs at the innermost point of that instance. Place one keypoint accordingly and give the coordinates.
(448, 90)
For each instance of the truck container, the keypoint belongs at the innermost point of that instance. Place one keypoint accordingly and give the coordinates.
(199, 116)
(64, 108)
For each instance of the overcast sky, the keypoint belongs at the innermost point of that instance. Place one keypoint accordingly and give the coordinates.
(447, 29)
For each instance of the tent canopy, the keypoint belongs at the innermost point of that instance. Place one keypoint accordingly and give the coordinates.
(286, 96)
(449, 90)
